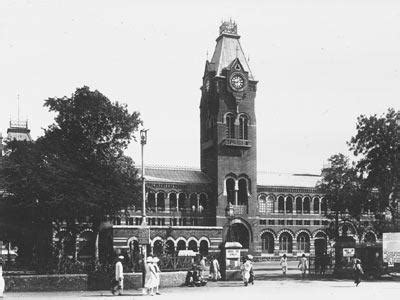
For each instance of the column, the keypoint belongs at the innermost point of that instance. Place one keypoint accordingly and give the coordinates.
(284, 205)
(236, 191)
(319, 208)
(294, 206)
(166, 202)
(155, 201)
(198, 202)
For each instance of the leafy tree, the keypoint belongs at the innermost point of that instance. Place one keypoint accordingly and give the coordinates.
(76, 171)
(341, 187)
(377, 145)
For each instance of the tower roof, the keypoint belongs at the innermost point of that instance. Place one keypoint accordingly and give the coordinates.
(19, 131)
(228, 48)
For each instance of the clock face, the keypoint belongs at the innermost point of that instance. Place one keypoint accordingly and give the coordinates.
(237, 82)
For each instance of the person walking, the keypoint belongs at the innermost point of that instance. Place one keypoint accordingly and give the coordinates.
(215, 269)
(151, 277)
(303, 265)
(358, 271)
(203, 266)
(284, 264)
(119, 277)
(246, 267)
(158, 271)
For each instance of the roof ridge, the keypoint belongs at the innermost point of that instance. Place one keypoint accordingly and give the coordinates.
(165, 167)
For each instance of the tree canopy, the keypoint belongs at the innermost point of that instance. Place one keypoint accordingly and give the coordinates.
(77, 169)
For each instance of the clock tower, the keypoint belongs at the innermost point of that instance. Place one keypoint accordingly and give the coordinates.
(228, 138)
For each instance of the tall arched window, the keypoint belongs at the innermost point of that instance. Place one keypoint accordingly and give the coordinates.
(316, 205)
(151, 201)
(202, 203)
(281, 204)
(289, 205)
(267, 242)
(285, 242)
(230, 125)
(242, 194)
(270, 204)
(262, 204)
(230, 190)
(173, 202)
(306, 205)
(324, 206)
(299, 205)
(303, 242)
(243, 127)
(160, 201)
(182, 202)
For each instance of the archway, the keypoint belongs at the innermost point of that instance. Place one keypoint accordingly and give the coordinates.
(285, 242)
(192, 246)
(181, 245)
(238, 232)
(203, 248)
(303, 242)
(158, 248)
(169, 247)
(267, 242)
(320, 244)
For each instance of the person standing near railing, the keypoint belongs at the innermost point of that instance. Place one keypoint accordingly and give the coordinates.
(303, 265)
(284, 264)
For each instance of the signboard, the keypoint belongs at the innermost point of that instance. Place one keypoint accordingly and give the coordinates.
(232, 253)
(144, 235)
(186, 253)
(391, 247)
(348, 252)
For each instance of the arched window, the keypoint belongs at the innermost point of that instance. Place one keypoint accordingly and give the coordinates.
(369, 237)
(203, 248)
(230, 190)
(299, 205)
(160, 201)
(267, 242)
(230, 125)
(289, 205)
(172, 202)
(181, 245)
(303, 242)
(181, 201)
(281, 204)
(324, 207)
(316, 205)
(151, 201)
(86, 245)
(270, 204)
(262, 204)
(306, 205)
(193, 202)
(158, 248)
(192, 245)
(242, 194)
(243, 127)
(169, 247)
(285, 242)
(202, 203)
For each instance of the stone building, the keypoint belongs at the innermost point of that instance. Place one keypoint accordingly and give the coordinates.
(227, 199)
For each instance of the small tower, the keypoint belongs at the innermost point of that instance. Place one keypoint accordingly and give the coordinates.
(19, 131)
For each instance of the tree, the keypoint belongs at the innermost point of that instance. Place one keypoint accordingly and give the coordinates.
(77, 169)
(341, 187)
(377, 145)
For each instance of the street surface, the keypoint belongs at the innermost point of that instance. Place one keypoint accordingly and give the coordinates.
(278, 288)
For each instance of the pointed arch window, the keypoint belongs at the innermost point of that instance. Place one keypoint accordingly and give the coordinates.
(230, 190)
(230, 125)
(243, 127)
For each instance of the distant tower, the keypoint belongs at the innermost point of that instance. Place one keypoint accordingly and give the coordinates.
(19, 131)
(228, 137)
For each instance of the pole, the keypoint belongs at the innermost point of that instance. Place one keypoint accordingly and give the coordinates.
(144, 221)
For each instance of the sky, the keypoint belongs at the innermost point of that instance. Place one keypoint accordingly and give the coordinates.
(319, 64)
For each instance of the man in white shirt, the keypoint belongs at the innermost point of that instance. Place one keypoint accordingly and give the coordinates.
(119, 274)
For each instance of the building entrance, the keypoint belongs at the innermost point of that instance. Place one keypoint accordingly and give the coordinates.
(239, 233)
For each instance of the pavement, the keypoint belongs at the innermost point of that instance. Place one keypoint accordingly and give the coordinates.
(284, 288)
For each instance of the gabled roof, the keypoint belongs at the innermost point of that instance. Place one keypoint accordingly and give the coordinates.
(174, 175)
(228, 48)
(287, 179)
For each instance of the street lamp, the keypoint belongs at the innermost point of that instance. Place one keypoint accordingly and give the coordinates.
(143, 141)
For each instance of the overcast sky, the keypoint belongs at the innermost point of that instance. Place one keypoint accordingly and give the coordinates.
(319, 64)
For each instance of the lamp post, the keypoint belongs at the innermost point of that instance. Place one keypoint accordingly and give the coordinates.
(143, 141)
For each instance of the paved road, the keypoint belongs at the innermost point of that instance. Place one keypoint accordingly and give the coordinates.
(263, 290)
